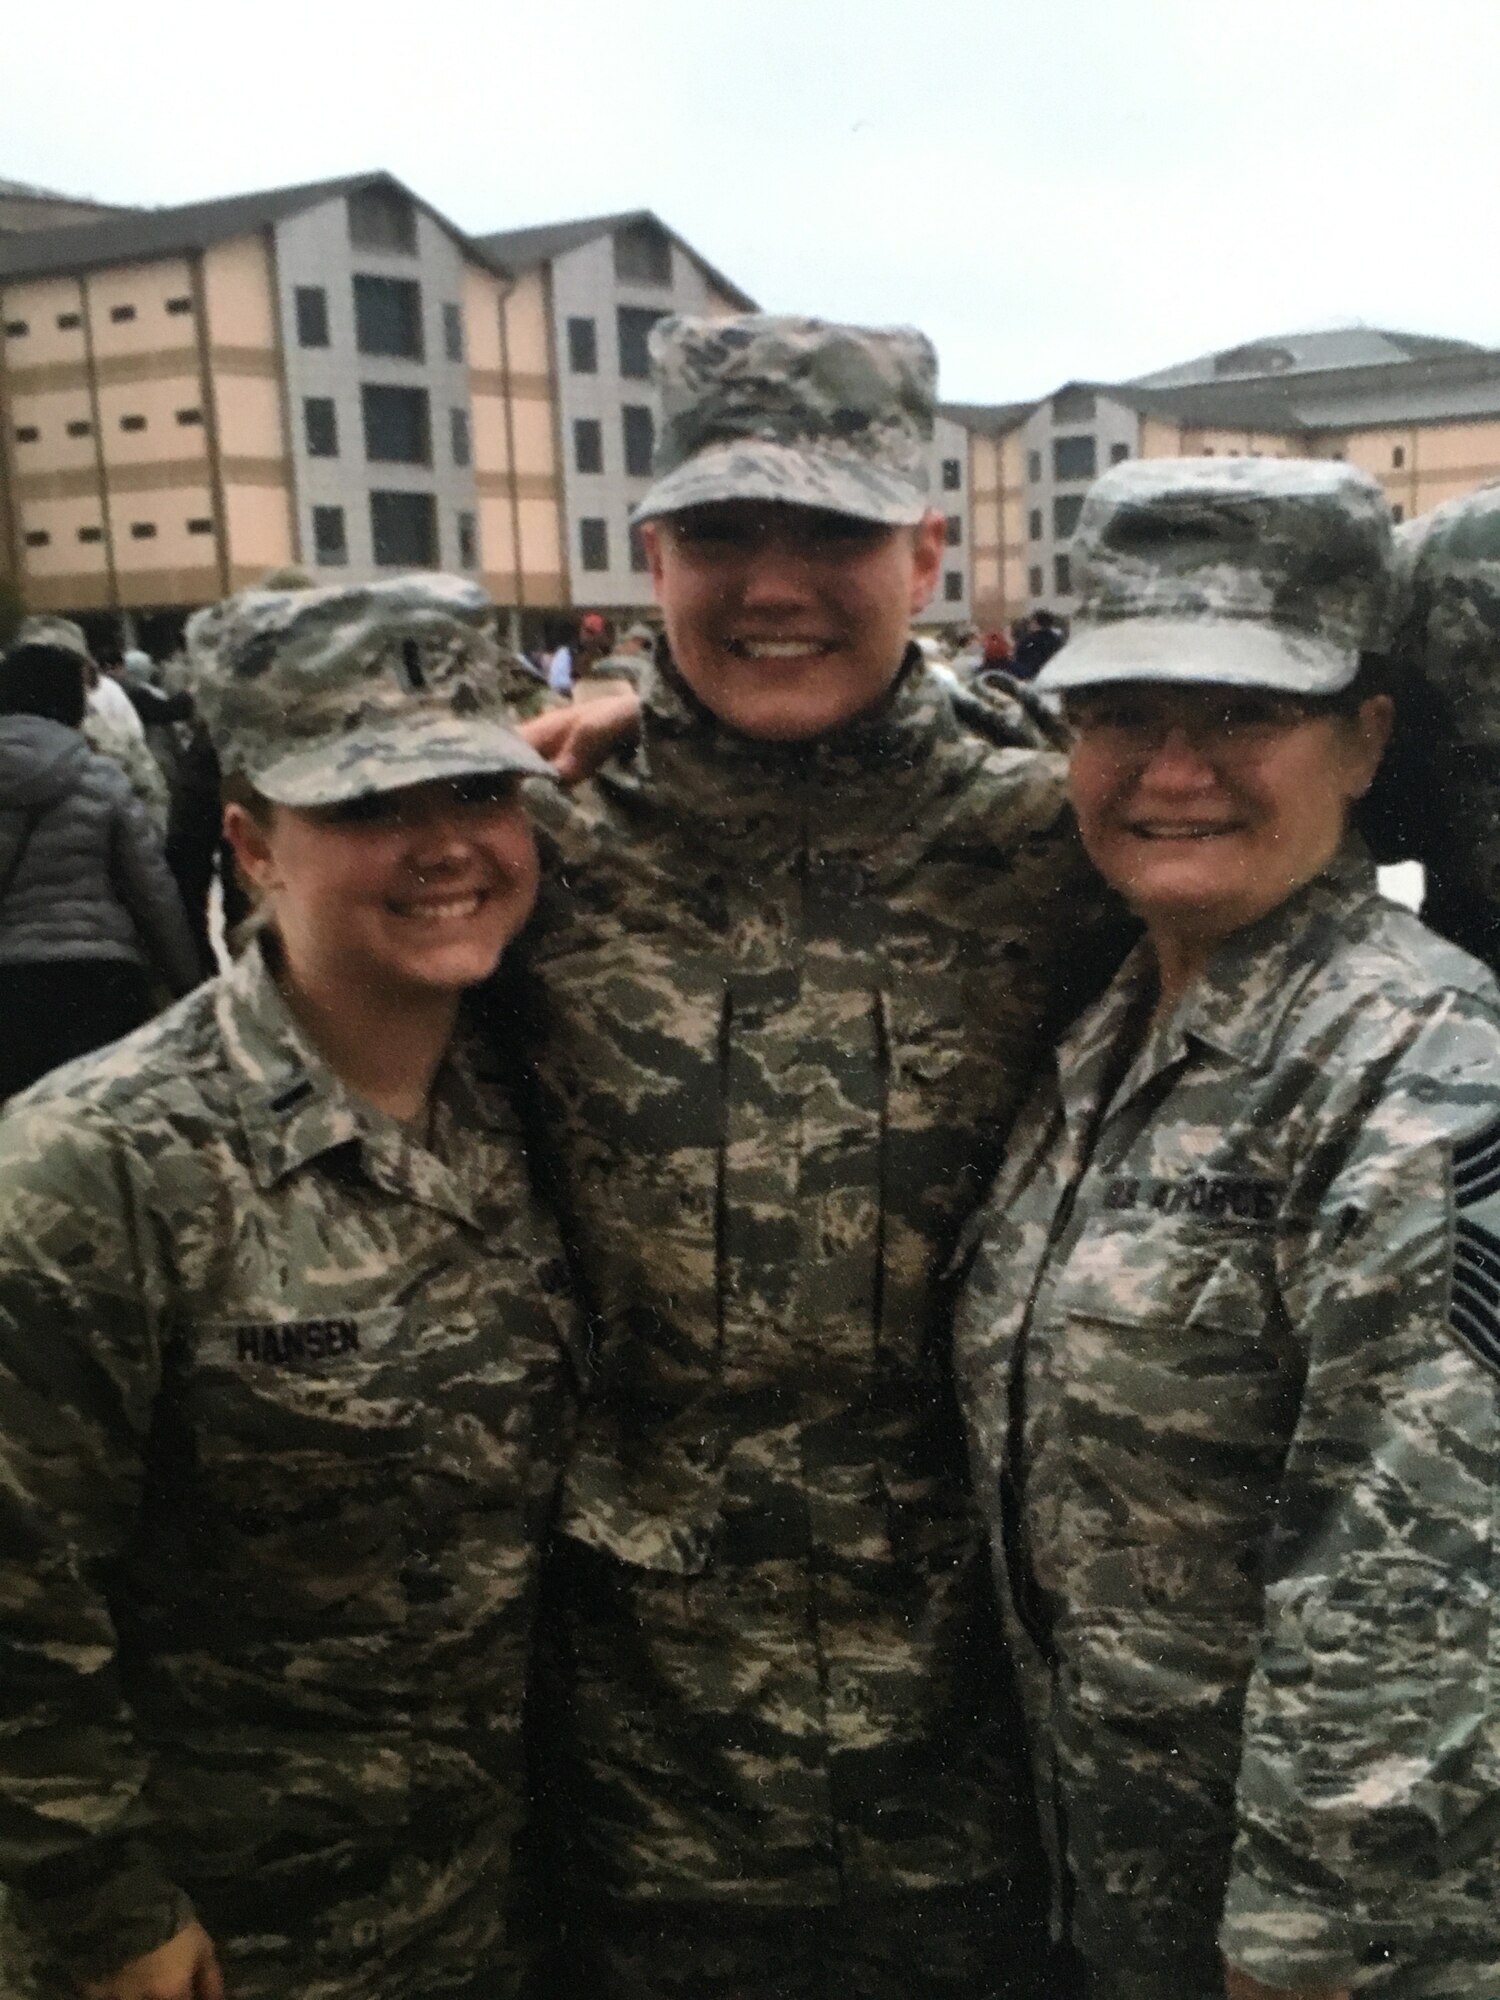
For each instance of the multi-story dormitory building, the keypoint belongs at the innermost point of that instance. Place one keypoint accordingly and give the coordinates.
(1421, 414)
(337, 375)
(333, 375)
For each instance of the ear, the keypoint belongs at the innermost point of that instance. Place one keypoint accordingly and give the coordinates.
(651, 542)
(1372, 732)
(929, 539)
(250, 839)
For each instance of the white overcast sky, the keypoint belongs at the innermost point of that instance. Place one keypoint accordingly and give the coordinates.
(1051, 189)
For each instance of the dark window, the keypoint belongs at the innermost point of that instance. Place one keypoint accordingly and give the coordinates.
(1118, 453)
(1062, 571)
(330, 545)
(80, 428)
(1398, 455)
(1034, 466)
(190, 416)
(588, 444)
(27, 433)
(458, 437)
(1065, 511)
(388, 316)
(312, 316)
(638, 560)
(1034, 524)
(1073, 406)
(1398, 513)
(143, 531)
(398, 427)
(952, 475)
(132, 423)
(632, 325)
(201, 524)
(643, 255)
(382, 219)
(583, 347)
(69, 322)
(1034, 581)
(320, 426)
(593, 543)
(453, 332)
(37, 538)
(640, 439)
(468, 541)
(120, 313)
(953, 586)
(1208, 451)
(16, 328)
(953, 530)
(1074, 458)
(91, 534)
(179, 305)
(403, 527)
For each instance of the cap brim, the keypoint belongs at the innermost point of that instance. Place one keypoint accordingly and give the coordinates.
(1220, 652)
(406, 752)
(755, 469)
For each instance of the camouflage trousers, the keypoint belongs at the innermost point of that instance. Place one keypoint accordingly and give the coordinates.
(739, 1810)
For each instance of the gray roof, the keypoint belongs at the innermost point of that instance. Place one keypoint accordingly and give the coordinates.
(1451, 385)
(139, 233)
(1275, 356)
(987, 419)
(523, 249)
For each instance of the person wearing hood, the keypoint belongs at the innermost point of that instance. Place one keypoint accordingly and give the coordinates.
(89, 917)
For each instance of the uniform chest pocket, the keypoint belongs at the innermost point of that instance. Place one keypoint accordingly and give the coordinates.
(317, 1407)
(1167, 1359)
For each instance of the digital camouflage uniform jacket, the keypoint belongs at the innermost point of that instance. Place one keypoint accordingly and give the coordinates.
(285, 1396)
(786, 998)
(1228, 1354)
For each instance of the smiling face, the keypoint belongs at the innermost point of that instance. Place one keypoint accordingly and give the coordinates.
(399, 896)
(789, 621)
(1206, 807)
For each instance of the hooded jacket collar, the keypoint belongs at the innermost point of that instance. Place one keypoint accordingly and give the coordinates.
(39, 759)
(873, 776)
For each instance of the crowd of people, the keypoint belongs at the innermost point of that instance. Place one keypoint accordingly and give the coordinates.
(860, 1353)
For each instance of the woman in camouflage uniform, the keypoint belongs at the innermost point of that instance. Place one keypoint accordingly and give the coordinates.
(1230, 1342)
(284, 1370)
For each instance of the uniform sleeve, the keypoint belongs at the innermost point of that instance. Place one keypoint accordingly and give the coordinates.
(148, 891)
(1369, 1766)
(79, 1375)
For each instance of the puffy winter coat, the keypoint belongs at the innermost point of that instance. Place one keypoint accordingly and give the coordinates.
(91, 881)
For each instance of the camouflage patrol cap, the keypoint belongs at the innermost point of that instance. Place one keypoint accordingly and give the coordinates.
(1240, 572)
(316, 696)
(796, 410)
(61, 635)
(1448, 626)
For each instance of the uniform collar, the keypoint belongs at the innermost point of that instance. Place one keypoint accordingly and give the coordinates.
(1252, 982)
(730, 781)
(294, 1109)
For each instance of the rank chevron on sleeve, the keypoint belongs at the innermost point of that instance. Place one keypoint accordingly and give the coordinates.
(1474, 1306)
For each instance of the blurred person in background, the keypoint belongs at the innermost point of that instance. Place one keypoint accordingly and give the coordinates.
(90, 920)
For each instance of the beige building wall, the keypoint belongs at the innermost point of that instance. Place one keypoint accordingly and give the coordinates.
(532, 481)
(247, 436)
(483, 305)
(986, 571)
